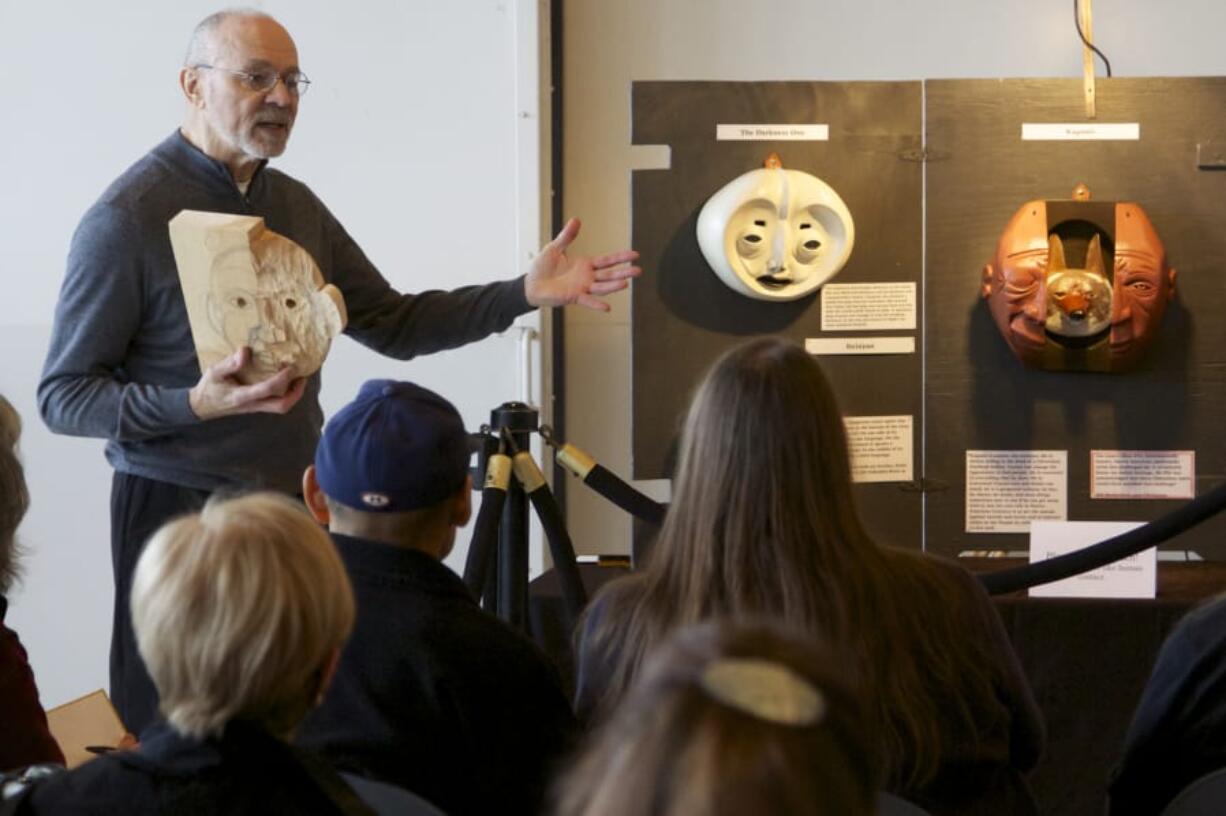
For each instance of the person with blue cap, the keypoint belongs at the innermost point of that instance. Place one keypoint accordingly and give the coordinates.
(432, 693)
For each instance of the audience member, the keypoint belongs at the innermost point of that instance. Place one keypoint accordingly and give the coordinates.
(763, 523)
(240, 612)
(432, 693)
(1178, 733)
(729, 720)
(25, 739)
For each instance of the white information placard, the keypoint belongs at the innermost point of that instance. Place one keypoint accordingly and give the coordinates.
(1081, 131)
(1133, 577)
(1008, 489)
(860, 345)
(881, 448)
(1142, 474)
(772, 133)
(869, 306)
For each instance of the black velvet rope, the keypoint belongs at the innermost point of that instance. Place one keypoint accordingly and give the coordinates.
(560, 547)
(610, 485)
(1105, 552)
(484, 541)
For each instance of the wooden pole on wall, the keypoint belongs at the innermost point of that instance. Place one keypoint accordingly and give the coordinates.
(1086, 12)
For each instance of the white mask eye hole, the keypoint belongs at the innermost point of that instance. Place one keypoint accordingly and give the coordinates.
(751, 242)
(291, 303)
(808, 245)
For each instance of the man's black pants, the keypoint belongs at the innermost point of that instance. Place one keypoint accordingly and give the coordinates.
(139, 506)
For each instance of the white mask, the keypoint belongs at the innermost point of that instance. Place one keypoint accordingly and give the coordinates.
(776, 234)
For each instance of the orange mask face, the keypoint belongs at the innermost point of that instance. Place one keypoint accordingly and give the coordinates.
(1144, 285)
(1098, 312)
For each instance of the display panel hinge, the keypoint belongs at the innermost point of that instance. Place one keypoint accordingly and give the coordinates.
(923, 155)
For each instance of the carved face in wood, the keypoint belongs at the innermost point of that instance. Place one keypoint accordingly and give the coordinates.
(775, 234)
(1098, 311)
(245, 285)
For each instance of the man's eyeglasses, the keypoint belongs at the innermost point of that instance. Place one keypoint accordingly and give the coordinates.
(296, 82)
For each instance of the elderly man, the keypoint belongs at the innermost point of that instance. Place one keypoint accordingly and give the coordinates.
(122, 363)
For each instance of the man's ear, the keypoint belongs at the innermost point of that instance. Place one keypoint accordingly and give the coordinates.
(189, 83)
(462, 505)
(314, 496)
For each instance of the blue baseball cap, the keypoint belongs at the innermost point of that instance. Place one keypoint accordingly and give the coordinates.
(396, 447)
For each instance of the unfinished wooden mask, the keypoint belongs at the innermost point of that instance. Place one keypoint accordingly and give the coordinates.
(245, 285)
(775, 234)
(1078, 285)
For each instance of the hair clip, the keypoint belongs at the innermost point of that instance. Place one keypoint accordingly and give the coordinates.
(765, 689)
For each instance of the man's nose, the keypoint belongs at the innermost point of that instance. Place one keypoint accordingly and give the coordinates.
(279, 94)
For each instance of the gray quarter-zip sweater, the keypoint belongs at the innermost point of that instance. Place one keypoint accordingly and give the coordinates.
(122, 361)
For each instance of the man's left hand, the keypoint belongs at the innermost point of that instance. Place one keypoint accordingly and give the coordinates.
(556, 279)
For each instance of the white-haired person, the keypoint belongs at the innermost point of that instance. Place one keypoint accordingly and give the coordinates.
(240, 612)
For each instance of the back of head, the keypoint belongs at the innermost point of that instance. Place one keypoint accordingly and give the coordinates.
(729, 720)
(763, 480)
(238, 611)
(762, 521)
(390, 458)
(763, 441)
(14, 495)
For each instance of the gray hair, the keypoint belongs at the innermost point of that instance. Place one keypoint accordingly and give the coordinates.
(14, 495)
(202, 47)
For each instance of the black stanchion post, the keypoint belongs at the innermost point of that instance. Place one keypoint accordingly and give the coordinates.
(517, 421)
(496, 481)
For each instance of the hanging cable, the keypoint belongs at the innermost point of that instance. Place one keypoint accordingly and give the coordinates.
(1082, 35)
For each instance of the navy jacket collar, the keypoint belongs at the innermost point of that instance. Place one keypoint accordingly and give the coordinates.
(163, 747)
(369, 561)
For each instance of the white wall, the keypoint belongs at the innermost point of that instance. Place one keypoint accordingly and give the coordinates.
(609, 44)
(412, 134)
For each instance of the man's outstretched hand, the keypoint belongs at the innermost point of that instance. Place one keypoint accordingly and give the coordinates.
(556, 279)
(219, 394)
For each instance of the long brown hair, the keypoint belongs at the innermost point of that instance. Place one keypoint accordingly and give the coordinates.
(685, 743)
(763, 523)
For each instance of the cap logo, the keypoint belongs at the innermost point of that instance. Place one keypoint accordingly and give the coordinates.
(375, 499)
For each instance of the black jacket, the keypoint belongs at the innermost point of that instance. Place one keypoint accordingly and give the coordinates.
(1178, 733)
(437, 696)
(246, 771)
